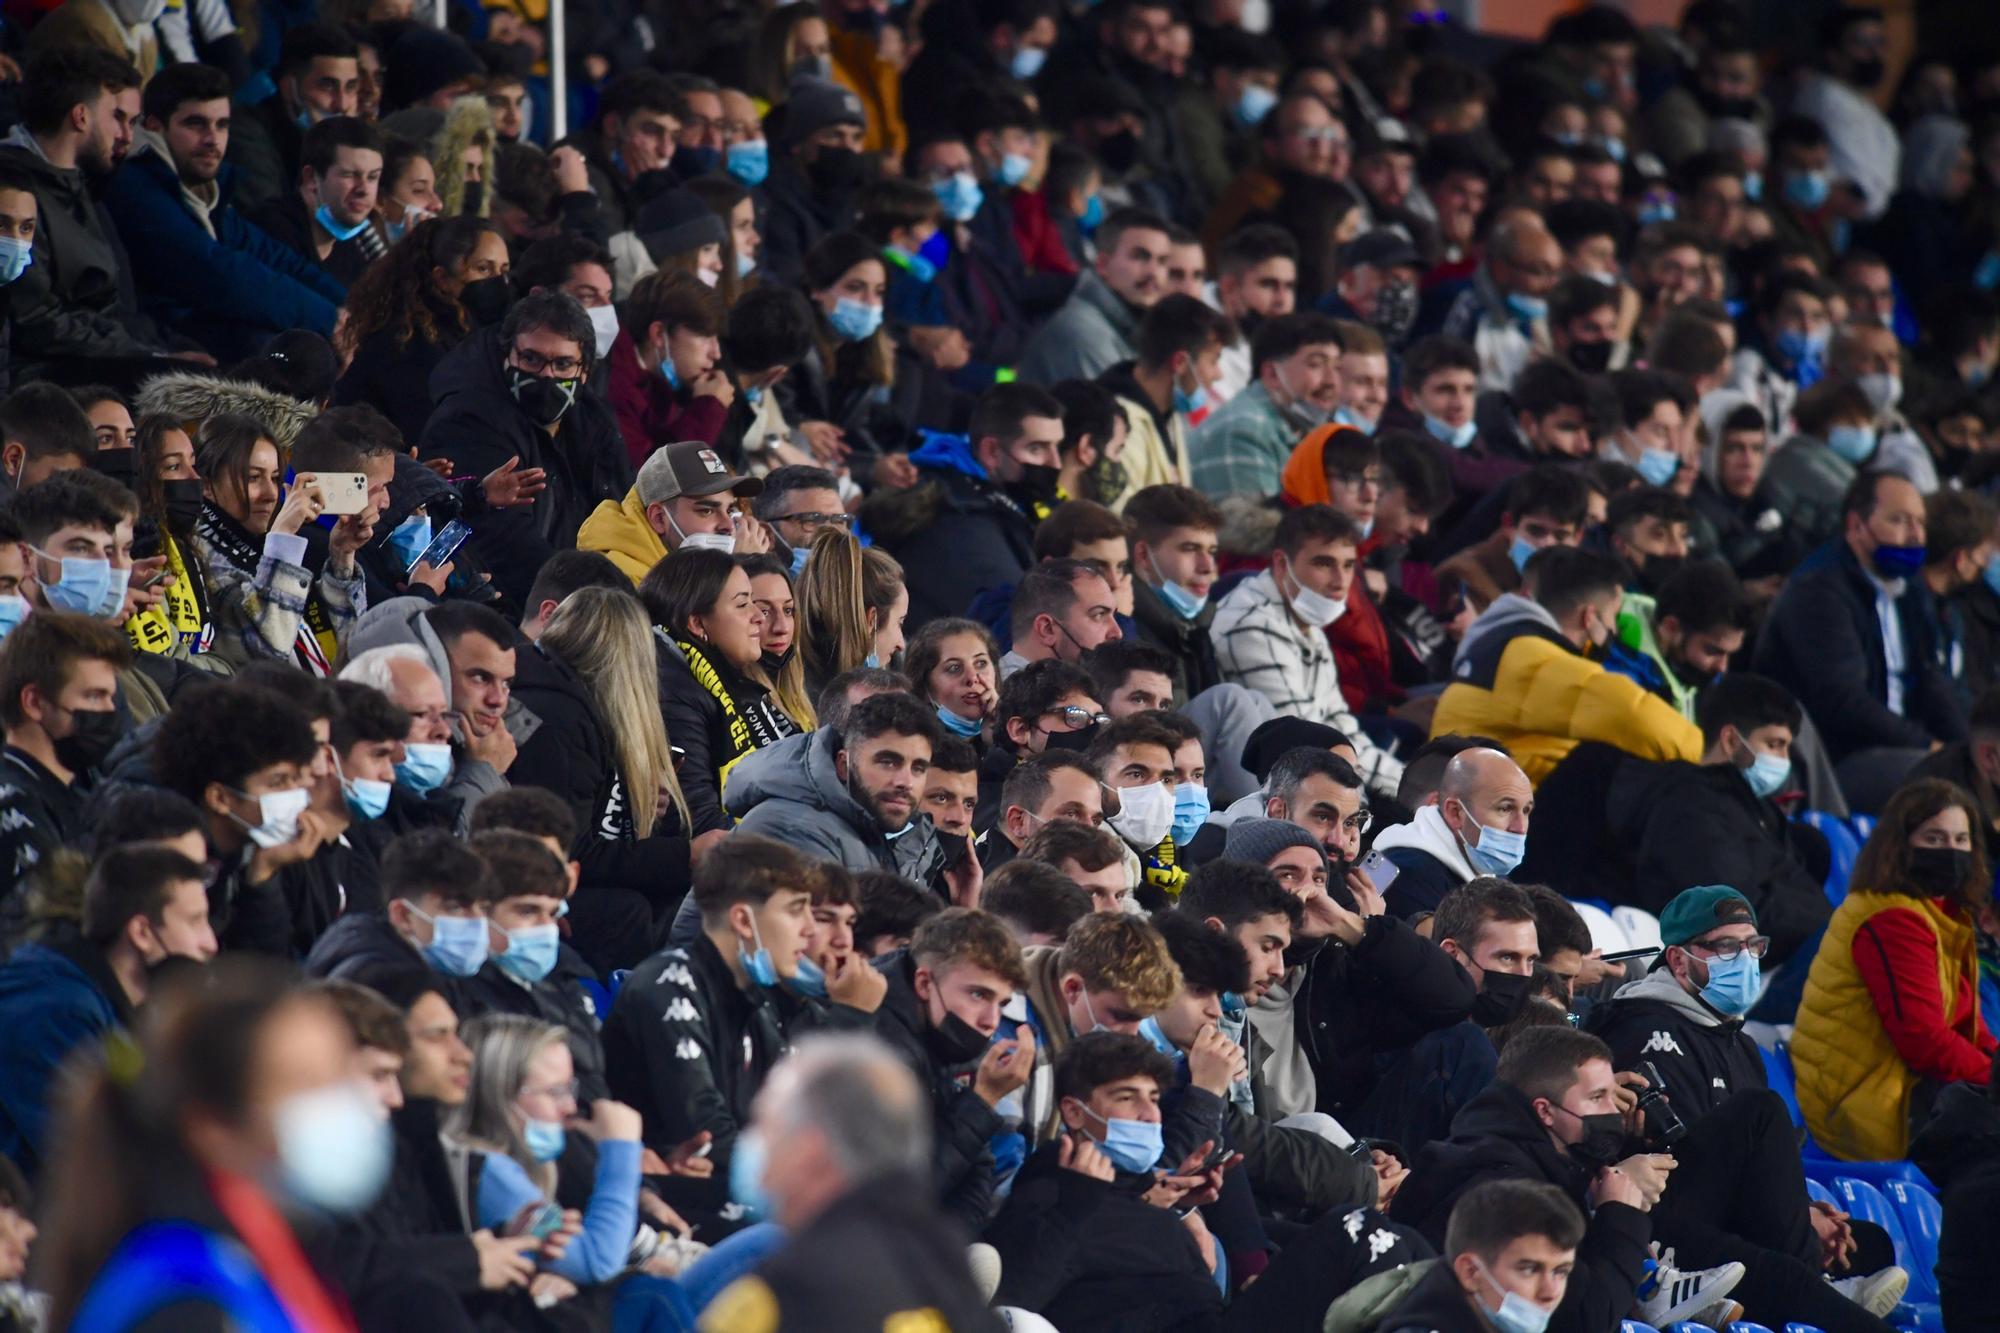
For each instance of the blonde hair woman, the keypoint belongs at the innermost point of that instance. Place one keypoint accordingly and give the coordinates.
(602, 634)
(851, 605)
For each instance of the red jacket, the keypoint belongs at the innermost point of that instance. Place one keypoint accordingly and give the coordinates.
(651, 412)
(1042, 248)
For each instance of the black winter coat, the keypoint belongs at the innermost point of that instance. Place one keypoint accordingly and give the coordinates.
(478, 426)
(1194, 655)
(962, 1123)
(1086, 1254)
(1959, 1148)
(571, 755)
(362, 944)
(795, 219)
(1744, 842)
(702, 730)
(1498, 1137)
(1379, 996)
(689, 1049)
(416, 1217)
(286, 221)
(1437, 1304)
(1824, 643)
(955, 536)
(395, 377)
(558, 998)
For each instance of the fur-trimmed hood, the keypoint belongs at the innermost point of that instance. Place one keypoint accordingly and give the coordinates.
(1249, 525)
(448, 134)
(192, 397)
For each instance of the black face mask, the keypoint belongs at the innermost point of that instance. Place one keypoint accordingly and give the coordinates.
(180, 501)
(1868, 73)
(544, 401)
(773, 663)
(116, 464)
(1603, 1141)
(487, 300)
(833, 170)
(475, 195)
(1037, 487)
(1727, 108)
(955, 1041)
(90, 739)
(1119, 152)
(1500, 999)
(1940, 871)
(1075, 742)
(691, 162)
(1591, 358)
(1653, 575)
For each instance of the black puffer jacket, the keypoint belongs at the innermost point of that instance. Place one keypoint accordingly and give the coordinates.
(1498, 1137)
(478, 426)
(1194, 655)
(1959, 1148)
(955, 534)
(1703, 1058)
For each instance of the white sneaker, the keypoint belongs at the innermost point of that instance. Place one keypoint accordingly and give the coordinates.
(984, 1261)
(1718, 1316)
(1679, 1295)
(1878, 1293)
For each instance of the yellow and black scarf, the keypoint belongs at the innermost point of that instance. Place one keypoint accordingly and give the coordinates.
(750, 720)
(182, 616)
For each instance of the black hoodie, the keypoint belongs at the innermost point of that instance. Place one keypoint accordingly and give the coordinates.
(478, 426)
(1498, 1136)
(1959, 1148)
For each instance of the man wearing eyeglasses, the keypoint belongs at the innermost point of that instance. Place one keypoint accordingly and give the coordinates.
(797, 502)
(517, 391)
(1504, 312)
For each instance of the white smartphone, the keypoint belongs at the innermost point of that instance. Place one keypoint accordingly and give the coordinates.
(342, 492)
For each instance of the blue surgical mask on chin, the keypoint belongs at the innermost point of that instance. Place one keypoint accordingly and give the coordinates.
(1517, 1314)
(333, 227)
(956, 725)
(1458, 437)
(758, 965)
(409, 538)
(808, 979)
(1346, 416)
(1734, 984)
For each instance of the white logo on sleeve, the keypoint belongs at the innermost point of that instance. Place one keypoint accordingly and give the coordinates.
(1662, 1042)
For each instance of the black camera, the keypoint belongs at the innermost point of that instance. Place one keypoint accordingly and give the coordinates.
(1662, 1120)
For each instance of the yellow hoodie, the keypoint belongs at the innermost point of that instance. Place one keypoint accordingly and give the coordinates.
(621, 532)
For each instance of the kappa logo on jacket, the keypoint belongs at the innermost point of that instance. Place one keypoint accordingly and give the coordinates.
(1662, 1042)
(680, 1010)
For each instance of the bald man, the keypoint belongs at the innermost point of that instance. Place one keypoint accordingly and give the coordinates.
(1479, 826)
(1503, 312)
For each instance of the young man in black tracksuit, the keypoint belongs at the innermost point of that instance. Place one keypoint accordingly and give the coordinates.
(695, 1031)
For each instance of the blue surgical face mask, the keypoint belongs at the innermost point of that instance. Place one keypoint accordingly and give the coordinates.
(872, 661)
(425, 766)
(1657, 467)
(1233, 1005)
(1187, 404)
(1347, 416)
(1093, 214)
(1804, 346)
(745, 266)
(746, 1174)
(333, 226)
(1653, 211)
(334, 1148)
(670, 373)
(409, 538)
(808, 979)
(1521, 552)
(749, 161)
(368, 798)
(1517, 1314)
(758, 965)
(1187, 605)
(959, 195)
(1499, 850)
(1807, 189)
(531, 952)
(1853, 443)
(1456, 436)
(956, 725)
(1734, 984)
(1898, 562)
(14, 609)
(1028, 62)
(1254, 103)
(83, 584)
(854, 320)
(1190, 811)
(458, 946)
(1753, 185)
(1766, 774)
(1014, 168)
(545, 1139)
(1150, 1029)
(1132, 1145)
(1526, 308)
(799, 554)
(15, 258)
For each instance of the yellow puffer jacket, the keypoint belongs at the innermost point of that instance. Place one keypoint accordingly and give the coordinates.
(1853, 1085)
(621, 532)
(1520, 682)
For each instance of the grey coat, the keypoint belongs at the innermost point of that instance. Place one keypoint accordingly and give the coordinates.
(790, 792)
(1090, 334)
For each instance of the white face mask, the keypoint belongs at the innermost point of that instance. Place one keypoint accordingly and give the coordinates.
(1145, 815)
(724, 542)
(604, 324)
(1314, 608)
(279, 811)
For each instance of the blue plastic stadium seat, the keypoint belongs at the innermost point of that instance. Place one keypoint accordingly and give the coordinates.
(1819, 1193)
(1818, 1166)
(1844, 846)
(1800, 1328)
(1778, 1073)
(1634, 1326)
(1863, 825)
(1745, 1326)
(1864, 1201)
(1922, 1217)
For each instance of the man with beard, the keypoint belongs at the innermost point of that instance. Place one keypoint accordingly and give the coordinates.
(207, 272)
(1377, 287)
(65, 302)
(810, 191)
(990, 486)
(1098, 326)
(1679, 641)
(851, 797)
